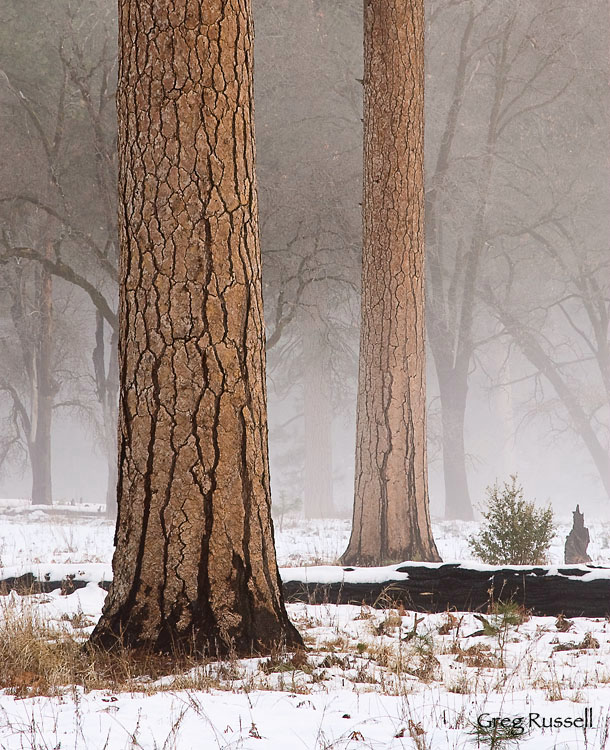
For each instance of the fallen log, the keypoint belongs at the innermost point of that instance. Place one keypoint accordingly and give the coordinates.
(574, 591)
(42, 579)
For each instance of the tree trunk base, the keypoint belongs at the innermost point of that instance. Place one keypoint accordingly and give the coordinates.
(203, 639)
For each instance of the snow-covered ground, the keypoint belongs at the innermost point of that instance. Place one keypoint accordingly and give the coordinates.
(36, 537)
(372, 678)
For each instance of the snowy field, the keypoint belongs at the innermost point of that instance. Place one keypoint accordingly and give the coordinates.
(34, 537)
(370, 679)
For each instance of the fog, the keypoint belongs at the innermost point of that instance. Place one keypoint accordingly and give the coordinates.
(518, 232)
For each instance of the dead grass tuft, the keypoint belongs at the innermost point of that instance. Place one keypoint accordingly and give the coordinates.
(478, 656)
(278, 662)
(39, 657)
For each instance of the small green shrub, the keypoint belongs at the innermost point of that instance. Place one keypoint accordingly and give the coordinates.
(515, 531)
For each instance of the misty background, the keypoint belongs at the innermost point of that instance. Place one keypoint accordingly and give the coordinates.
(518, 248)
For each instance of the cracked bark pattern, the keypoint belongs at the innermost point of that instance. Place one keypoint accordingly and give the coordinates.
(195, 564)
(391, 520)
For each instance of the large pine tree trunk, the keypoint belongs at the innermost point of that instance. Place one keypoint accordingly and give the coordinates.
(195, 564)
(391, 518)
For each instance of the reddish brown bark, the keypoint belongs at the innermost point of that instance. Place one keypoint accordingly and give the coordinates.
(391, 518)
(195, 563)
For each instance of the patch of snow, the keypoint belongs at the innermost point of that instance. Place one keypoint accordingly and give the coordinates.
(337, 574)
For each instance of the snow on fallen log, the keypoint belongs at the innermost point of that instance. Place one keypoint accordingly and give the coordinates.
(42, 578)
(574, 591)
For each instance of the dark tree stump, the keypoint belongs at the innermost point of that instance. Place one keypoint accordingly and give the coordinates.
(577, 541)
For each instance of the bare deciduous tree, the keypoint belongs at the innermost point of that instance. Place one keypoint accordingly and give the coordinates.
(485, 92)
(54, 224)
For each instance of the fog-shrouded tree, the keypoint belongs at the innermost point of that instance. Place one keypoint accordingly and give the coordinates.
(194, 566)
(28, 374)
(570, 365)
(317, 410)
(550, 289)
(500, 85)
(42, 372)
(32, 318)
(391, 517)
(309, 168)
(59, 206)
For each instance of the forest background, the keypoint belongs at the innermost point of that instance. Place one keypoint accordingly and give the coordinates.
(518, 239)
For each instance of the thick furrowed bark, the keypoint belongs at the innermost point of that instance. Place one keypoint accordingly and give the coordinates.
(391, 521)
(194, 565)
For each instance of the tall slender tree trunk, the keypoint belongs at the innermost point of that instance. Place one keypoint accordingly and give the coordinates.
(43, 394)
(505, 410)
(111, 484)
(317, 408)
(107, 388)
(453, 394)
(444, 321)
(111, 407)
(391, 517)
(195, 564)
(451, 313)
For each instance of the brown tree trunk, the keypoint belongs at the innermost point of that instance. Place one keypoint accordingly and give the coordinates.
(391, 519)
(43, 394)
(195, 564)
